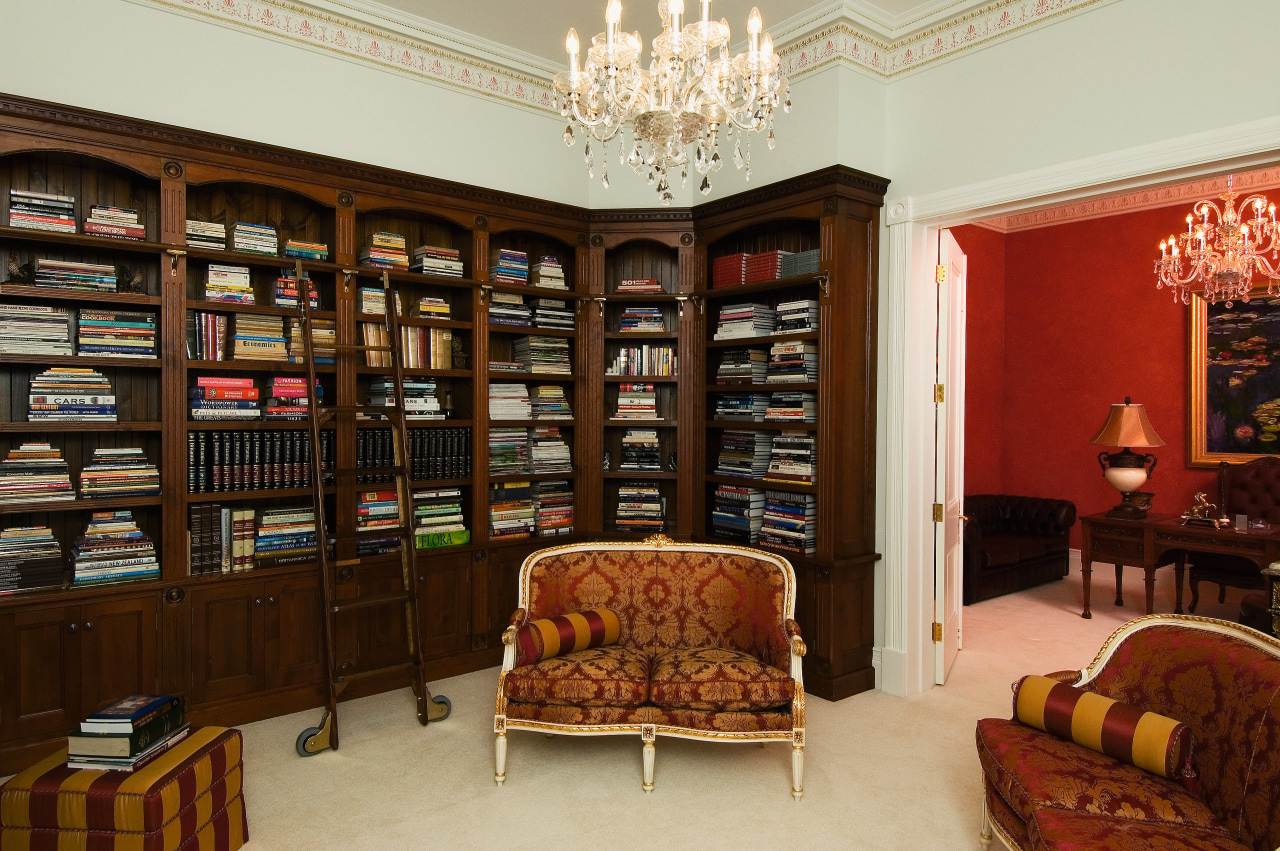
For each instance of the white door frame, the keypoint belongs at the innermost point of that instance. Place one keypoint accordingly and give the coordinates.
(907, 318)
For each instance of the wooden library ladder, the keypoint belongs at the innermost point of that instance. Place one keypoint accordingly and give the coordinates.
(430, 708)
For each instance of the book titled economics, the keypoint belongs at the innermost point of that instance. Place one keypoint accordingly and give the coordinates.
(128, 713)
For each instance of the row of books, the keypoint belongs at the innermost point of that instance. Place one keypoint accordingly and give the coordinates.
(113, 549)
(742, 268)
(216, 397)
(420, 347)
(71, 394)
(643, 360)
(785, 521)
(542, 355)
(434, 453)
(37, 472)
(72, 275)
(30, 558)
(438, 518)
(530, 509)
(57, 214)
(232, 460)
(32, 329)
(783, 457)
(234, 284)
(236, 539)
(419, 403)
(128, 734)
(780, 406)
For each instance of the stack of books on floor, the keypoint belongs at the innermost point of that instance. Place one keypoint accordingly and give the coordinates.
(42, 211)
(128, 734)
(254, 239)
(206, 335)
(765, 266)
(790, 522)
(206, 235)
(508, 267)
(377, 510)
(742, 366)
(385, 251)
(639, 286)
(306, 250)
(553, 507)
(742, 407)
(68, 275)
(285, 532)
(548, 453)
(440, 453)
(543, 355)
(436, 260)
(552, 313)
(116, 333)
(745, 320)
(738, 513)
(420, 402)
(114, 222)
(791, 459)
(729, 270)
(438, 520)
(640, 508)
(71, 395)
(30, 557)
(34, 329)
(259, 338)
(216, 397)
(643, 360)
(799, 315)
(288, 400)
(324, 341)
(228, 283)
(509, 309)
(509, 402)
(792, 362)
(792, 406)
(508, 451)
(113, 473)
(801, 263)
(35, 472)
(511, 511)
(288, 286)
(639, 319)
(113, 549)
(636, 401)
(640, 451)
(548, 402)
(743, 453)
(548, 273)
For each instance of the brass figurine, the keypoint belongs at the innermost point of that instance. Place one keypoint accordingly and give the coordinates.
(1201, 513)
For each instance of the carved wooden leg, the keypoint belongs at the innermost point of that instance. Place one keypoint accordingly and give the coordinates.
(797, 771)
(984, 834)
(500, 758)
(648, 733)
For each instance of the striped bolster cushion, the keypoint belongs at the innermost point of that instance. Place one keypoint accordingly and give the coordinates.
(550, 637)
(1148, 740)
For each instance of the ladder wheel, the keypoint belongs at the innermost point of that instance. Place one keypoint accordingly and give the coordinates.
(434, 713)
(304, 738)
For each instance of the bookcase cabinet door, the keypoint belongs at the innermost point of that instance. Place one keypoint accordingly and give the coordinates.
(41, 663)
(293, 631)
(444, 603)
(118, 651)
(227, 630)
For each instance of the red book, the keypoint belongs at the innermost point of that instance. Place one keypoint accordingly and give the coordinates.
(225, 393)
(377, 496)
(220, 381)
(130, 231)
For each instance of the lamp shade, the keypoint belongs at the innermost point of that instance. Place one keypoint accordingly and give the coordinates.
(1127, 425)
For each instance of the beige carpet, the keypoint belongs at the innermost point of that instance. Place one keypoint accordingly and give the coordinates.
(881, 772)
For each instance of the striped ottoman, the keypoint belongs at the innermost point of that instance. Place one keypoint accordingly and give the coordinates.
(188, 798)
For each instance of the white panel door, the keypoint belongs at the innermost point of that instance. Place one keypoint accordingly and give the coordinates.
(949, 456)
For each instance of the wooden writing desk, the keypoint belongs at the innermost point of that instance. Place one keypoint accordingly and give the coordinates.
(1161, 539)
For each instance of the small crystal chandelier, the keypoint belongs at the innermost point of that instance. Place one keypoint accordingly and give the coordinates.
(1220, 252)
(687, 94)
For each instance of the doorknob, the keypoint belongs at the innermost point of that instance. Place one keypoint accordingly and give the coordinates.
(73, 627)
(271, 600)
(88, 626)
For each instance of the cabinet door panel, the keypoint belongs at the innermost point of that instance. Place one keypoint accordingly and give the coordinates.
(444, 603)
(293, 632)
(381, 630)
(42, 661)
(226, 642)
(118, 648)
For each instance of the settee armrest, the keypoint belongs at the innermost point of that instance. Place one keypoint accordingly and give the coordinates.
(518, 618)
(797, 648)
(1068, 677)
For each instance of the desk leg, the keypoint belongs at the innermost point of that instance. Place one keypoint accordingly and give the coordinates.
(1086, 571)
(1179, 567)
(1151, 589)
(1119, 584)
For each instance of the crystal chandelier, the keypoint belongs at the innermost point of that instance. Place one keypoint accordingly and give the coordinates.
(691, 91)
(1220, 252)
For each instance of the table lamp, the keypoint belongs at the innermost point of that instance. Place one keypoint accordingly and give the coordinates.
(1127, 425)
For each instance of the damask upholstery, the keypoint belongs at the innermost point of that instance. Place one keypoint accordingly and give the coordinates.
(1013, 542)
(1219, 679)
(548, 637)
(717, 680)
(1252, 489)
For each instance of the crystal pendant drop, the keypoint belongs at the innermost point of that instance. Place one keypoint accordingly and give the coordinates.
(786, 107)
(715, 160)
(649, 182)
(737, 155)
(604, 176)
(568, 135)
(684, 177)
(705, 188)
(772, 141)
(591, 162)
(634, 159)
(663, 187)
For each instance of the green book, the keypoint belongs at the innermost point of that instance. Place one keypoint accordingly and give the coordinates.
(428, 540)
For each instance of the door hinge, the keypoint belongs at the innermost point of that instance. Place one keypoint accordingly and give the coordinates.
(937, 631)
(937, 512)
(940, 274)
(939, 394)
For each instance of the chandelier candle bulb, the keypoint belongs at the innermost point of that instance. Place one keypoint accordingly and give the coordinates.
(571, 45)
(706, 13)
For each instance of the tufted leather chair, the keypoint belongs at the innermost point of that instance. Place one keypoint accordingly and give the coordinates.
(1252, 488)
(1013, 542)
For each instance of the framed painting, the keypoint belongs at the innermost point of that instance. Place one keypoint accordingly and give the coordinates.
(1235, 380)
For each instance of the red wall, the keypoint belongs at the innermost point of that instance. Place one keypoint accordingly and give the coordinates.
(984, 359)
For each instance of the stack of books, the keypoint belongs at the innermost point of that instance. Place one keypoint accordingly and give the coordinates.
(744, 320)
(509, 402)
(432, 307)
(553, 507)
(508, 451)
(386, 251)
(42, 211)
(743, 453)
(33, 329)
(765, 266)
(508, 267)
(742, 366)
(792, 362)
(420, 402)
(285, 532)
(254, 239)
(640, 451)
(438, 520)
(511, 511)
(742, 407)
(206, 235)
(128, 734)
(35, 472)
(509, 309)
(119, 473)
(801, 315)
(113, 549)
(114, 222)
(738, 513)
(549, 453)
(68, 275)
(543, 355)
(548, 273)
(306, 250)
(801, 263)
(377, 509)
(436, 260)
(792, 458)
(288, 286)
(217, 397)
(505, 366)
(221, 539)
(259, 338)
(639, 286)
(640, 319)
(790, 522)
(118, 333)
(552, 313)
(374, 300)
(206, 335)
(729, 270)
(30, 557)
(549, 403)
(71, 394)
(643, 360)
(228, 283)
(324, 341)
(792, 406)
(636, 401)
(287, 398)
(640, 508)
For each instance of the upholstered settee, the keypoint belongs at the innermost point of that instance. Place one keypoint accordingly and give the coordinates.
(1013, 542)
(1220, 681)
(662, 638)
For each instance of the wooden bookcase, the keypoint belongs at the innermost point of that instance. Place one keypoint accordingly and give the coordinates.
(244, 646)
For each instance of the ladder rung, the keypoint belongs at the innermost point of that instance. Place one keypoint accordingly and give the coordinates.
(407, 665)
(397, 470)
(379, 532)
(357, 347)
(369, 561)
(366, 602)
(335, 410)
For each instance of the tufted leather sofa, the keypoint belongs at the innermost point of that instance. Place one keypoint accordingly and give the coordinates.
(707, 648)
(1252, 489)
(1044, 793)
(1013, 542)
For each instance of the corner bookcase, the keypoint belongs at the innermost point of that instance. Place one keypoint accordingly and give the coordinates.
(243, 645)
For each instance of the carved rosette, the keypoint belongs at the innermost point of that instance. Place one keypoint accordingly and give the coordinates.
(482, 222)
(686, 239)
(597, 240)
(346, 199)
(173, 169)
